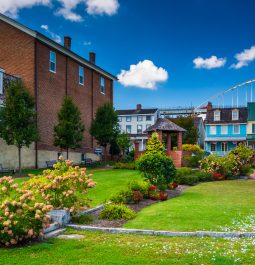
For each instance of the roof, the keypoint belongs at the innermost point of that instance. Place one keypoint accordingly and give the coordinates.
(55, 45)
(136, 111)
(226, 116)
(165, 125)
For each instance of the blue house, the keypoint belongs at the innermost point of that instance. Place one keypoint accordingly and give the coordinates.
(225, 129)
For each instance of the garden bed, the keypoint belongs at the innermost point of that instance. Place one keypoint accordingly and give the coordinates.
(137, 207)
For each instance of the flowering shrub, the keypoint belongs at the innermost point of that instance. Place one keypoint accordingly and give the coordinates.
(172, 186)
(21, 217)
(65, 186)
(218, 176)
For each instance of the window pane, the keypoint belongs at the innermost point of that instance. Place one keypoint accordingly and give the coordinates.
(102, 85)
(139, 129)
(213, 147)
(128, 128)
(148, 118)
(212, 129)
(52, 61)
(253, 128)
(216, 115)
(236, 129)
(128, 118)
(81, 75)
(224, 129)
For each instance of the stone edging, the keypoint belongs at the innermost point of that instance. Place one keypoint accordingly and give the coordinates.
(163, 233)
(92, 210)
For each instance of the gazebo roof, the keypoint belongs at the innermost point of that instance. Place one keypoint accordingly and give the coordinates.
(165, 125)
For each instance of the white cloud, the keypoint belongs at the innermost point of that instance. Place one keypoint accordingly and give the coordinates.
(12, 7)
(144, 75)
(54, 36)
(67, 10)
(87, 43)
(244, 58)
(108, 7)
(209, 63)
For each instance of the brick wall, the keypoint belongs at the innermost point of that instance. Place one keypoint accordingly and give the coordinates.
(17, 54)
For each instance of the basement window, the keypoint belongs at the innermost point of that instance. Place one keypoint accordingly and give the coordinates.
(52, 62)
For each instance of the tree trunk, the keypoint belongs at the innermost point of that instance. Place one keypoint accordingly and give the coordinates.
(19, 151)
(67, 153)
(105, 153)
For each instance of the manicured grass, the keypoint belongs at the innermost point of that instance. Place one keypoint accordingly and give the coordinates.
(207, 206)
(100, 248)
(109, 182)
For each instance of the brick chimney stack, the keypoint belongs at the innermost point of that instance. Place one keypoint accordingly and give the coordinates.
(138, 106)
(92, 57)
(67, 42)
(209, 106)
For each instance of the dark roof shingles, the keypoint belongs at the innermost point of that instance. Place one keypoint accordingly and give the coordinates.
(136, 111)
(165, 125)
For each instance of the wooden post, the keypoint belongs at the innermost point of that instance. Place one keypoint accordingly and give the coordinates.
(160, 136)
(179, 141)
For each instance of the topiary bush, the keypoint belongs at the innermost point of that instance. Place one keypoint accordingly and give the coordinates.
(64, 187)
(186, 179)
(156, 168)
(116, 212)
(21, 217)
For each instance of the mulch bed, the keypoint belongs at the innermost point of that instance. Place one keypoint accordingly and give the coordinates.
(135, 207)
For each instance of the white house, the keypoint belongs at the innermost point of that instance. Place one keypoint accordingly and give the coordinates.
(135, 121)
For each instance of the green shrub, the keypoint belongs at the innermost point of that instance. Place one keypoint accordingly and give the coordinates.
(83, 219)
(124, 196)
(142, 186)
(183, 171)
(204, 176)
(186, 179)
(194, 148)
(156, 168)
(116, 212)
(192, 161)
(125, 165)
(21, 217)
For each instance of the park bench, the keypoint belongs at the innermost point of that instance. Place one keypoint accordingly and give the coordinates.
(88, 161)
(5, 170)
(50, 163)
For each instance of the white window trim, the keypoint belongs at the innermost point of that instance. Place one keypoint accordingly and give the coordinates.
(210, 130)
(82, 84)
(237, 115)
(53, 62)
(214, 115)
(238, 128)
(225, 145)
(221, 131)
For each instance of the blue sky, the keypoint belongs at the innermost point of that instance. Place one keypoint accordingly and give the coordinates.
(170, 43)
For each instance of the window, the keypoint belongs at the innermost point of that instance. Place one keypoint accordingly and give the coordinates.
(224, 129)
(81, 75)
(139, 118)
(253, 128)
(217, 115)
(1, 83)
(213, 147)
(120, 127)
(120, 119)
(139, 128)
(128, 119)
(52, 61)
(212, 129)
(235, 115)
(224, 147)
(128, 128)
(148, 118)
(147, 126)
(236, 129)
(102, 85)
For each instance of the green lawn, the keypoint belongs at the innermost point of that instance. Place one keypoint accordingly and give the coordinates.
(109, 182)
(102, 248)
(207, 206)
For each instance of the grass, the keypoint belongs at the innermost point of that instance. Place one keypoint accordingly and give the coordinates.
(208, 206)
(109, 182)
(102, 248)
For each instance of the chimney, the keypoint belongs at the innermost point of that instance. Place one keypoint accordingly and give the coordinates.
(138, 106)
(209, 106)
(67, 42)
(92, 57)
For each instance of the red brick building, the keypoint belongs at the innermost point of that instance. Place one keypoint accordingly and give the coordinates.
(50, 71)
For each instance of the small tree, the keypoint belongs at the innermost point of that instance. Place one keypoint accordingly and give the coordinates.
(18, 118)
(104, 126)
(154, 146)
(68, 133)
(123, 142)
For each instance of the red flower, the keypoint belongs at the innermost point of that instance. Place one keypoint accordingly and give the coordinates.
(152, 187)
